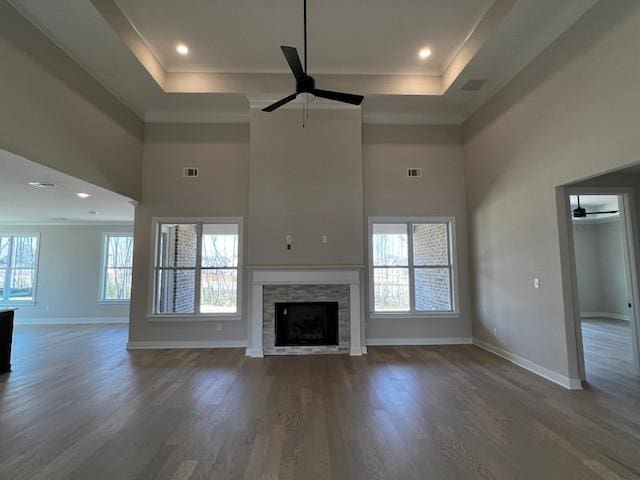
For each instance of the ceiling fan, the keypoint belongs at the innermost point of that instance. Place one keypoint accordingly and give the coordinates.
(581, 212)
(305, 84)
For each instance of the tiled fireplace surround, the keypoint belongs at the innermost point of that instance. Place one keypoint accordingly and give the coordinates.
(271, 285)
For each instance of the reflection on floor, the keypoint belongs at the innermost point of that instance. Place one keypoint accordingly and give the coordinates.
(608, 356)
(80, 406)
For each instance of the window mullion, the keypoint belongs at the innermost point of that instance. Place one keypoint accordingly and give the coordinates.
(412, 295)
(9, 274)
(198, 279)
(451, 267)
(105, 267)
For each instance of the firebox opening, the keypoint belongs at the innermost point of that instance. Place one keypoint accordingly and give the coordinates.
(306, 324)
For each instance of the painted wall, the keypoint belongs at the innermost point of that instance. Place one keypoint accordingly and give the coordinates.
(221, 153)
(602, 281)
(54, 113)
(569, 115)
(387, 153)
(303, 191)
(69, 269)
(306, 182)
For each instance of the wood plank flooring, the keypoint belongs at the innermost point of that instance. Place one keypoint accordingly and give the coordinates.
(608, 356)
(79, 406)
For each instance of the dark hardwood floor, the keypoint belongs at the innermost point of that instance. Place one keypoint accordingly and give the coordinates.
(79, 406)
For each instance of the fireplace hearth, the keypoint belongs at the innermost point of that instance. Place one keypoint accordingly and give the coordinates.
(306, 324)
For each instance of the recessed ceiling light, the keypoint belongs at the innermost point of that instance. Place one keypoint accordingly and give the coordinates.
(83, 195)
(424, 53)
(42, 184)
(182, 49)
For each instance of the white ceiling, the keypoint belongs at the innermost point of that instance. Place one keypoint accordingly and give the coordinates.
(345, 37)
(357, 36)
(594, 202)
(21, 203)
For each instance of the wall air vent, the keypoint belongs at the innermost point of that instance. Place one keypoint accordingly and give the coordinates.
(473, 85)
(190, 172)
(42, 184)
(414, 172)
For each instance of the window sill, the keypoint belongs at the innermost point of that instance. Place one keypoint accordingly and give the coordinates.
(177, 318)
(114, 302)
(18, 303)
(389, 315)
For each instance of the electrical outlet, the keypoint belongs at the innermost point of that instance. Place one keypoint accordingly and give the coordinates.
(219, 327)
(536, 282)
(324, 239)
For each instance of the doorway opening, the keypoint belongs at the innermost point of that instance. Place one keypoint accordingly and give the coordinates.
(602, 247)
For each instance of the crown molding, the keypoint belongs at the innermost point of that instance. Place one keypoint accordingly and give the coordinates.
(157, 116)
(67, 223)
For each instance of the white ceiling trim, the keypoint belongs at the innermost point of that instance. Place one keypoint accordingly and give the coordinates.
(411, 119)
(50, 223)
(195, 117)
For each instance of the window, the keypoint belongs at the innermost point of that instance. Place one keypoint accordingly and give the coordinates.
(18, 265)
(117, 267)
(412, 266)
(197, 268)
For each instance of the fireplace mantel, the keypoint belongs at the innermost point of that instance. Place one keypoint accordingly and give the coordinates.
(330, 275)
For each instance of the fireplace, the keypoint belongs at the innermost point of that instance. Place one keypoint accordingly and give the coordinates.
(306, 323)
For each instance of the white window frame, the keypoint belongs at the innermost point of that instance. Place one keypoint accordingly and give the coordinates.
(103, 269)
(152, 315)
(412, 312)
(5, 301)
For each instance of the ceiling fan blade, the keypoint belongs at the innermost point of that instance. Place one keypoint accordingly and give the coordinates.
(602, 213)
(293, 59)
(279, 103)
(338, 96)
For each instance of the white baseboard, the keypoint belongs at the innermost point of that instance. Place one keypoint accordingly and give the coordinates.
(189, 344)
(381, 342)
(566, 382)
(615, 316)
(69, 320)
(355, 351)
(254, 352)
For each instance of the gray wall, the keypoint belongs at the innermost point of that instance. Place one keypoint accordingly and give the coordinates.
(54, 113)
(221, 152)
(387, 153)
(569, 115)
(69, 269)
(306, 182)
(602, 280)
(303, 191)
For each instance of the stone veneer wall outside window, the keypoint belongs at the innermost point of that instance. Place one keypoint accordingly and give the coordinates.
(433, 290)
(185, 251)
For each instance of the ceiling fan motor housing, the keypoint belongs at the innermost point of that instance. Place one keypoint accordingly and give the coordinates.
(580, 212)
(307, 84)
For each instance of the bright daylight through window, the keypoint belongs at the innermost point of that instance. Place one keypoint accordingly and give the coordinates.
(118, 264)
(18, 264)
(197, 268)
(412, 267)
